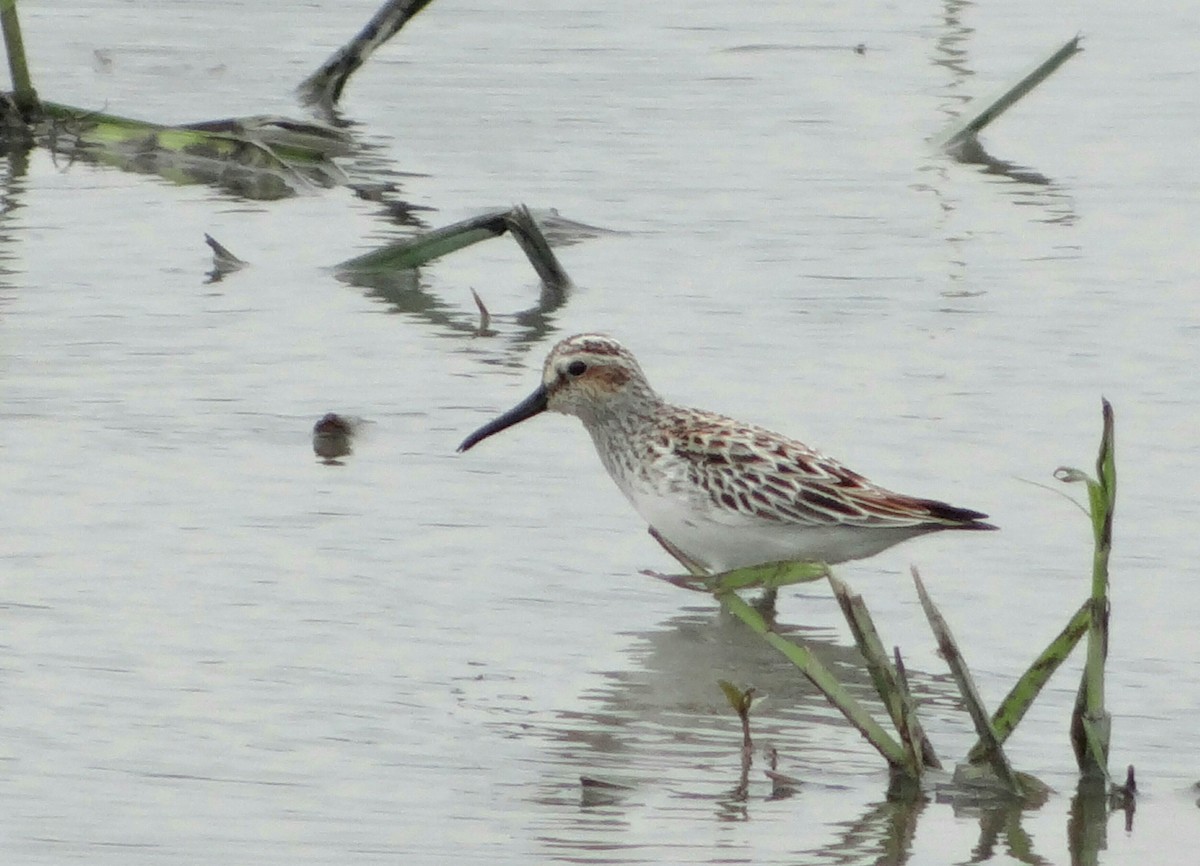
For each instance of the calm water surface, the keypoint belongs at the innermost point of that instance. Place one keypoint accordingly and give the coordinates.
(216, 648)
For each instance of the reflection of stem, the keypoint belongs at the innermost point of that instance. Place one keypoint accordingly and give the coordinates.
(16, 165)
(949, 53)
(742, 791)
(884, 834)
(1124, 797)
(960, 139)
(1003, 821)
(1087, 823)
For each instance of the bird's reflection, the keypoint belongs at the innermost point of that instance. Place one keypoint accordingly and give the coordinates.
(663, 729)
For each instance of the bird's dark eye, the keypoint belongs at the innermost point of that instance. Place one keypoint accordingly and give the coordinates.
(577, 368)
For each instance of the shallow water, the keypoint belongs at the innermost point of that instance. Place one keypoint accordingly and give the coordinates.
(218, 648)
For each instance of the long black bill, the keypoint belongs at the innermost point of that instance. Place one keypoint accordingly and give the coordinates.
(532, 405)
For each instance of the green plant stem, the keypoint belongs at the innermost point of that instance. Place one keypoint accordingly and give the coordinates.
(1092, 728)
(1103, 496)
(1018, 700)
(891, 687)
(820, 677)
(23, 93)
(966, 686)
(975, 122)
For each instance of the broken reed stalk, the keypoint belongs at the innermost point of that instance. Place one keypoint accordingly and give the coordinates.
(24, 95)
(1091, 723)
(324, 87)
(966, 130)
(416, 251)
(966, 686)
(528, 235)
(891, 685)
(223, 260)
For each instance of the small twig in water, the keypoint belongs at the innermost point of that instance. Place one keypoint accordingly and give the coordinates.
(224, 262)
(485, 318)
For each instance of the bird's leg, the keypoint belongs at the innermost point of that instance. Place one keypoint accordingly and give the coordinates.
(765, 603)
(697, 573)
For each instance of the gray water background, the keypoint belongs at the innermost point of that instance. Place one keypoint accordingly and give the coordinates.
(214, 648)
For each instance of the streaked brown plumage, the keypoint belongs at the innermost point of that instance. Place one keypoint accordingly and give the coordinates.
(724, 493)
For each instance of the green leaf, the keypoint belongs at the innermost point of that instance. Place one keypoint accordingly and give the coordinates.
(1022, 695)
(736, 697)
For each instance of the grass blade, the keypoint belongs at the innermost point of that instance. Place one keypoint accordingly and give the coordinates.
(820, 677)
(965, 130)
(324, 87)
(414, 252)
(892, 687)
(1012, 709)
(528, 234)
(966, 686)
(1091, 723)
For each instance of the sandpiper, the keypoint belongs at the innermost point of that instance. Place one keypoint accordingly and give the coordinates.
(724, 493)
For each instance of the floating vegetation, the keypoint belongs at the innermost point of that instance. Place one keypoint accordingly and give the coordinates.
(391, 275)
(413, 252)
(257, 157)
(270, 157)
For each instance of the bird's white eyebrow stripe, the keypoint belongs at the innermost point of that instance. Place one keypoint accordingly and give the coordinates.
(603, 348)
